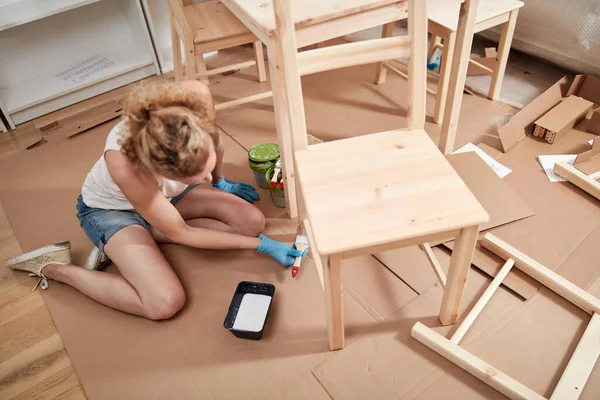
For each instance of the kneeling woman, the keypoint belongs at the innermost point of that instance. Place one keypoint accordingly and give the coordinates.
(146, 189)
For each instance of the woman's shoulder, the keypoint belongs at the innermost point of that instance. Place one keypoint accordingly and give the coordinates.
(116, 133)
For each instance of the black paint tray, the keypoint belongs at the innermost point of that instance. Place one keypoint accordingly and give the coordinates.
(247, 315)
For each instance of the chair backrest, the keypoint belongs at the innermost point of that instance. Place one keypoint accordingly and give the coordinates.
(294, 64)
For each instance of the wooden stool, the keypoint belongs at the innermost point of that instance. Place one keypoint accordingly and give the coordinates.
(380, 191)
(443, 20)
(207, 27)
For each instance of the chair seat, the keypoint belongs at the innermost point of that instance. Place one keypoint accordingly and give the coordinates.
(445, 12)
(212, 21)
(382, 188)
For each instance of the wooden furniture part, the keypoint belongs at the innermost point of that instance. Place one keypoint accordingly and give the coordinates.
(316, 22)
(378, 191)
(57, 53)
(588, 160)
(579, 367)
(443, 25)
(206, 27)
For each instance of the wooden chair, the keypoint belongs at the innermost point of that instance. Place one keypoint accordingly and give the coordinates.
(380, 191)
(443, 20)
(206, 27)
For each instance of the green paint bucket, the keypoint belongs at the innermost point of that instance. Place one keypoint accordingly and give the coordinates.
(260, 158)
(277, 194)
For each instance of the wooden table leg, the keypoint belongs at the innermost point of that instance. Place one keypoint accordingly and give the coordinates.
(260, 61)
(444, 78)
(434, 42)
(334, 301)
(458, 73)
(508, 29)
(462, 255)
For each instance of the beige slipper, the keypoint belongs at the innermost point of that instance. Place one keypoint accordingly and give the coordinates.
(34, 261)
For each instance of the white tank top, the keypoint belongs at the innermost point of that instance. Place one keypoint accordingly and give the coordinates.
(100, 190)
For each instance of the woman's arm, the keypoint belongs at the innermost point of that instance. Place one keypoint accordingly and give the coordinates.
(141, 190)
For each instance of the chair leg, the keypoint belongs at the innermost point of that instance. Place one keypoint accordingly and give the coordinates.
(508, 29)
(201, 68)
(260, 61)
(443, 80)
(334, 302)
(462, 255)
(433, 43)
(387, 31)
(458, 73)
(176, 46)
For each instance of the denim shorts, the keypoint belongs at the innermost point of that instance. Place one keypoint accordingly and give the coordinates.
(100, 225)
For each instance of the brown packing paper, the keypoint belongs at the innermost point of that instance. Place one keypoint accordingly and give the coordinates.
(531, 341)
(563, 216)
(388, 363)
(546, 329)
(594, 124)
(191, 356)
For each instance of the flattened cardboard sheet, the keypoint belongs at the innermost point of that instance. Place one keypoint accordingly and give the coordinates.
(531, 341)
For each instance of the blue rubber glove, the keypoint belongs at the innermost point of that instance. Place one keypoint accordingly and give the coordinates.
(280, 252)
(243, 190)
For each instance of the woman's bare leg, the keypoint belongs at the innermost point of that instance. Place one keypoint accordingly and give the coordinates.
(147, 286)
(210, 208)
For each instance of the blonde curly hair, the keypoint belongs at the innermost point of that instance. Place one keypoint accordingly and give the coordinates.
(170, 130)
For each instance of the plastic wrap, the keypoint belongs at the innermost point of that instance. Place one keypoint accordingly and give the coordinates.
(564, 32)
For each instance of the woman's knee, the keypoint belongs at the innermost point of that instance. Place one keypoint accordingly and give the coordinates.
(165, 304)
(253, 222)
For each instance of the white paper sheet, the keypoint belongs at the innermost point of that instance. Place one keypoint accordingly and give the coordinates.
(498, 168)
(549, 161)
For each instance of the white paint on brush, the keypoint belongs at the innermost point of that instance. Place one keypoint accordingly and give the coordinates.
(252, 312)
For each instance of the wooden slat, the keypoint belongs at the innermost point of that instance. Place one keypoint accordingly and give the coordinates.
(578, 178)
(351, 54)
(482, 302)
(227, 68)
(351, 23)
(313, 253)
(243, 100)
(582, 363)
(404, 76)
(545, 276)
(503, 383)
(437, 268)
(86, 119)
(334, 296)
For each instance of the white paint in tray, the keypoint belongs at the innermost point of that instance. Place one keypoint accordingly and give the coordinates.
(252, 313)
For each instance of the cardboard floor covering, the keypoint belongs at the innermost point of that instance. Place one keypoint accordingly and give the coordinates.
(192, 355)
(531, 341)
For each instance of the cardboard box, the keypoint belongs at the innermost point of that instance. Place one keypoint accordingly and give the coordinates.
(594, 124)
(521, 124)
(558, 121)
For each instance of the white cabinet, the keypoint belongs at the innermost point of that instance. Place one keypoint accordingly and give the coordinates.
(54, 53)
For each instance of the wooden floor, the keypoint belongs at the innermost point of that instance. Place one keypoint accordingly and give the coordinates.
(33, 361)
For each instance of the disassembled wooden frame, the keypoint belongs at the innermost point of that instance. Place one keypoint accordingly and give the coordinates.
(581, 363)
(588, 183)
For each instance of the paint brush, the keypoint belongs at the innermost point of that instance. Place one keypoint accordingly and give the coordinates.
(301, 244)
